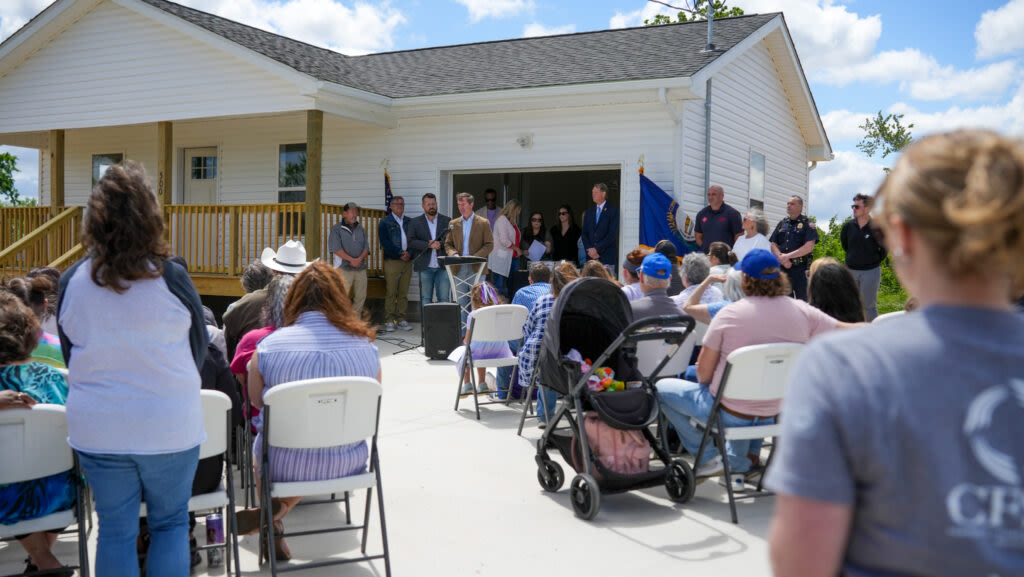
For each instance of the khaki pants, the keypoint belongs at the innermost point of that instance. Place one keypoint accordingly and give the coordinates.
(397, 274)
(355, 282)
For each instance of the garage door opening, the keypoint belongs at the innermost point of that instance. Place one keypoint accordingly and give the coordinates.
(540, 191)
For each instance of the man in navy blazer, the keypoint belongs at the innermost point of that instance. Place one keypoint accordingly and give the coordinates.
(601, 228)
(426, 240)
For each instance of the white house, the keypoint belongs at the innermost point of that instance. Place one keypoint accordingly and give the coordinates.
(225, 114)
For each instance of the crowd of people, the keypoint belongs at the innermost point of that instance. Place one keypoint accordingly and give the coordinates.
(872, 415)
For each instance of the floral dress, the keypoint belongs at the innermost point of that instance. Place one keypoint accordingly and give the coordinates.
(46, 495)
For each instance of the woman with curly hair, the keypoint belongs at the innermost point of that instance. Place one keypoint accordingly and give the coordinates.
(321, 336)
(133, 336)
(24, 383)
(902, 450)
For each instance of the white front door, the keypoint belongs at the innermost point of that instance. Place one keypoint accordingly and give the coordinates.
(201, 175)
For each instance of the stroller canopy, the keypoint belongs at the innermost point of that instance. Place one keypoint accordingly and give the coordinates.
(587, 316)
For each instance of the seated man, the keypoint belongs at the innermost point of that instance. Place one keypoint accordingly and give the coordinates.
(655, 273)
(766, 315)
(540, 285)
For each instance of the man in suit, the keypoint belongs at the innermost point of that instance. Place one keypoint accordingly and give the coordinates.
(426, 238)
(490, 209)
(601, 228)
(468, 235)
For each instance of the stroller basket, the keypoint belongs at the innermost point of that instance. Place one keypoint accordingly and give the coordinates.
(609, 481)
(631, 409)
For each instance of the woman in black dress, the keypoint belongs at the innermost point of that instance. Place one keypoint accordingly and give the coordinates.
(535, 231)
(564, 236)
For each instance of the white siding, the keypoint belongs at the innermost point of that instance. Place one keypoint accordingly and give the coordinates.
(44, 178)
(421, 149)
(135, 142)
(248, 153)
(750, 111)
(115, 67)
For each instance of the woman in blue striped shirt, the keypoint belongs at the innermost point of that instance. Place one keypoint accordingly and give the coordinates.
(322, 336)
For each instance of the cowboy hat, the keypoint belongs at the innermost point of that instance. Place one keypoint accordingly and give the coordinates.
(290, 258)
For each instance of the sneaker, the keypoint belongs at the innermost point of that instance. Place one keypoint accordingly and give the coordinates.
(542, 424)
(712, 468)
(754, 474)
(467, 389)
(389, 327)
(404, 326)
(738, 485)
(484, 387)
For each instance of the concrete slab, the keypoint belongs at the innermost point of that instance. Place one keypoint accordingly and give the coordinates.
(462, 498)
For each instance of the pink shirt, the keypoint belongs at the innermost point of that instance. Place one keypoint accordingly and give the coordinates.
(759, 321)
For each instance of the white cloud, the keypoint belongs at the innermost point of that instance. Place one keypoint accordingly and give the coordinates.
(327, 23)
(480, 9)
(999, 31)
(923, 78)
(16, 13)
(536, 29)
(1007, 118)
(826, 35)
(637, 17)
(26, 180)
(833, 184)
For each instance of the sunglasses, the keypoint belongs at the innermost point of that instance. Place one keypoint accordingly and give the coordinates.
(563, 213)
(536, 220)
(856, 206)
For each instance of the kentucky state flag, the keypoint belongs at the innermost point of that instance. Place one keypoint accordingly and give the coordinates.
(387, 194)
(660, 216)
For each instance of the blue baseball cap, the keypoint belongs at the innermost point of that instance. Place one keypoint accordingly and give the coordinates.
(656, 265)
(755, 263)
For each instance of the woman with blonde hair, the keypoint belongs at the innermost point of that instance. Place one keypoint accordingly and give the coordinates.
(902, 451)
(505, 254)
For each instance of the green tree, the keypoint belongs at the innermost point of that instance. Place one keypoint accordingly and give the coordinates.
(885, 134)
(698, 11)
(8, 166)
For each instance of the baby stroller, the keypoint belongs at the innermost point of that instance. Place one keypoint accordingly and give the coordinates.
(593, 316)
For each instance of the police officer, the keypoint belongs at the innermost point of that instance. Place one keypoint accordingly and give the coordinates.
(793, 242)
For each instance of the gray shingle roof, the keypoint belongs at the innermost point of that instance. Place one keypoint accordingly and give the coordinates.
(667, 51)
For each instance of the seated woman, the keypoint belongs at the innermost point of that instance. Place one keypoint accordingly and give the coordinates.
(721, 258)
(594, 268)
(272, 317)
(24, 383)
(630, 279)
(322, 336)
(732, 291)
(695, 269)
(34, 292)
(832, 289)
(766, 315)
(668, 248)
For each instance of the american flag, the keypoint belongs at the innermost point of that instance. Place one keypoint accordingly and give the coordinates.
(387, 193)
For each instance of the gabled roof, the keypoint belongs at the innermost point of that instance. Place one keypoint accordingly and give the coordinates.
(668, 51)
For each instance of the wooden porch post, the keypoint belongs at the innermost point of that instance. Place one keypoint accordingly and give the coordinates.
(314, 161)
(164, 162)
(56, 169)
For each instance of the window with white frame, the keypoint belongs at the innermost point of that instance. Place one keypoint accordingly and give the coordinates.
(755, 194)
(291, 173)
(101, 162)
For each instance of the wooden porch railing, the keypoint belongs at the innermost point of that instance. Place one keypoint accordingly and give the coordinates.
(17, 221)
(223, 239)
(50, 239)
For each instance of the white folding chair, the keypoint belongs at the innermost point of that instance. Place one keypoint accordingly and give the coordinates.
(217, 422)
(493, 323)
(888, 317)
(754, 373)
(650, 353)
(319, 413)
(33, 445)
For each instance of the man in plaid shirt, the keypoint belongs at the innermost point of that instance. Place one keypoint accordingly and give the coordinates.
(540, 277)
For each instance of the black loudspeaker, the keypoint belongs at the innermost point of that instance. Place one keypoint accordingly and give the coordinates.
(440, 330)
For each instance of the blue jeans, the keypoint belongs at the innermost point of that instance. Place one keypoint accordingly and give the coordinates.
(546, 399)
(681, 400)
(505, 373)
(119, 483)
(434, 286)
(501, 284)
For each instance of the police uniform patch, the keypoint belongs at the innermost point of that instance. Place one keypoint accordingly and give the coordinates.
(799, 226)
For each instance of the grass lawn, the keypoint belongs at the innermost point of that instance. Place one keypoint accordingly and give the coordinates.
(888, 303)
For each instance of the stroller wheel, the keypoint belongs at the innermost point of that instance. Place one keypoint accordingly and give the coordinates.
(551, 476)
(585, 496)
(679, 481)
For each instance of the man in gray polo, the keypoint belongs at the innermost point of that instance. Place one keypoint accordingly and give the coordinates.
(350, 247)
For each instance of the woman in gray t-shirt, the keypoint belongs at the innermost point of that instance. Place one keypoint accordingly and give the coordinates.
(902, 451)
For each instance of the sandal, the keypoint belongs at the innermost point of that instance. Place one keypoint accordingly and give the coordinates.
(248, 520)
(281, 550)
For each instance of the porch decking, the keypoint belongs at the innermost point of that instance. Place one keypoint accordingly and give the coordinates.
(217, 241)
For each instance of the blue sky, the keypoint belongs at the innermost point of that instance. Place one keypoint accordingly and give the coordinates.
(943, 64)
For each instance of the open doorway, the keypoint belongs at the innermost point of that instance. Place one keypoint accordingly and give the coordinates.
(540, 190)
